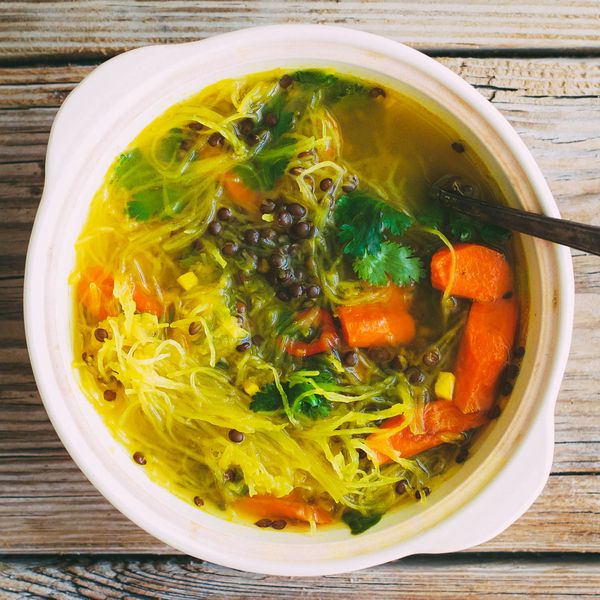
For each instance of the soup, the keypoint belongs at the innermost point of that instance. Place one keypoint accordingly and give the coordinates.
(275, 315)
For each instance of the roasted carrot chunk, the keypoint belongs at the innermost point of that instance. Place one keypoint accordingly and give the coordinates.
(287, 507)
(484, 351)
(442, 419)
(240, 193)
(481, 273)
(95, 292)
(379, 323)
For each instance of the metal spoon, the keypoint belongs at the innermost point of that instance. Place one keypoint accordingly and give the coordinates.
(560, 231)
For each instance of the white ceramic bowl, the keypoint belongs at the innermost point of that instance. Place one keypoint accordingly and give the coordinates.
(511, 460)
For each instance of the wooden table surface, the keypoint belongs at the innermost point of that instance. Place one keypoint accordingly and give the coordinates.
(538, 62)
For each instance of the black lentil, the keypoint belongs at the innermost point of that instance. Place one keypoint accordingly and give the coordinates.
(313, 291)
(296, 171)
(350, 359)
(198, 501)
(462, 456)
(236, 436)
(139, 458)
(229, 249)
(301, 230)
(267, 207)
(494, 412)
(214, 228)
(519, 352)
(110, 395)
(377, 92)
(251, 237)
(401, 486)
(243, 346)
(305, 154)
(264, 523)
(414, 375)
(252, 139)
(224, 214)
(296, 290)
(232, 475)
(101, 334)
(194, 328)
(506, 388)
(240, 307)
(458, 147)
(431, 358)
(277, 260)
(508, 295)
(286, 81)
(279, 524)
(245, 126)
(283, 219)
(325, 184)
(195, 126)
(215, 139)
(511, 371)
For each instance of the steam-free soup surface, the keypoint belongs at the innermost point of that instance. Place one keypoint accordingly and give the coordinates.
(274, 315)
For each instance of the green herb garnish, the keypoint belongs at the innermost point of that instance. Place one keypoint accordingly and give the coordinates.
(394, 261)
(333, 87)
(302, 397)
(358, 522)
(363, 223)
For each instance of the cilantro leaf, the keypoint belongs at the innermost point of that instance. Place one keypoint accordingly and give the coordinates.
(145, 204)
(358, 522)
(393, 260)
(262, 171)
(267, 399)
(277, 106)
(362, 221)
(301, 397)
(133, 170)
(334, 87)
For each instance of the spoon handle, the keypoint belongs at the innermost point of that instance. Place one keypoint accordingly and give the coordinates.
(568, 233)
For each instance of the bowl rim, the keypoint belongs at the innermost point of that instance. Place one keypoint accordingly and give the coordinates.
(541, 430)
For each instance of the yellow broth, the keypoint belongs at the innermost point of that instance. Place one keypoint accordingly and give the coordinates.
(175, 366)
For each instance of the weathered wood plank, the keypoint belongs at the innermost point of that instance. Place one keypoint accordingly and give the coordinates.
(443, 578)
(46, 505)
(84, 29)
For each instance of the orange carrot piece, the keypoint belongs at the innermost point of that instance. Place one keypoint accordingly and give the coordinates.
(95, 291)
(484, 351)
(240, 193)
(481, 273)
(287, 507)
(328, 338)
(146, 303)
(442, 421)
(379, 323)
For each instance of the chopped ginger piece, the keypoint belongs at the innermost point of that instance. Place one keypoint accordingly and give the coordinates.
(444, 385)
(188, 280)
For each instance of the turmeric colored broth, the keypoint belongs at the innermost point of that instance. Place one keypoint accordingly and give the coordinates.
(253, 314)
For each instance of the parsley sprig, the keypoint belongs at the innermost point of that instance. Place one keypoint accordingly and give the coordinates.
(363, 224)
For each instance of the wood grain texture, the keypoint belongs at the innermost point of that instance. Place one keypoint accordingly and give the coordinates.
(86, 29)
(416, 578)
(46, 505)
